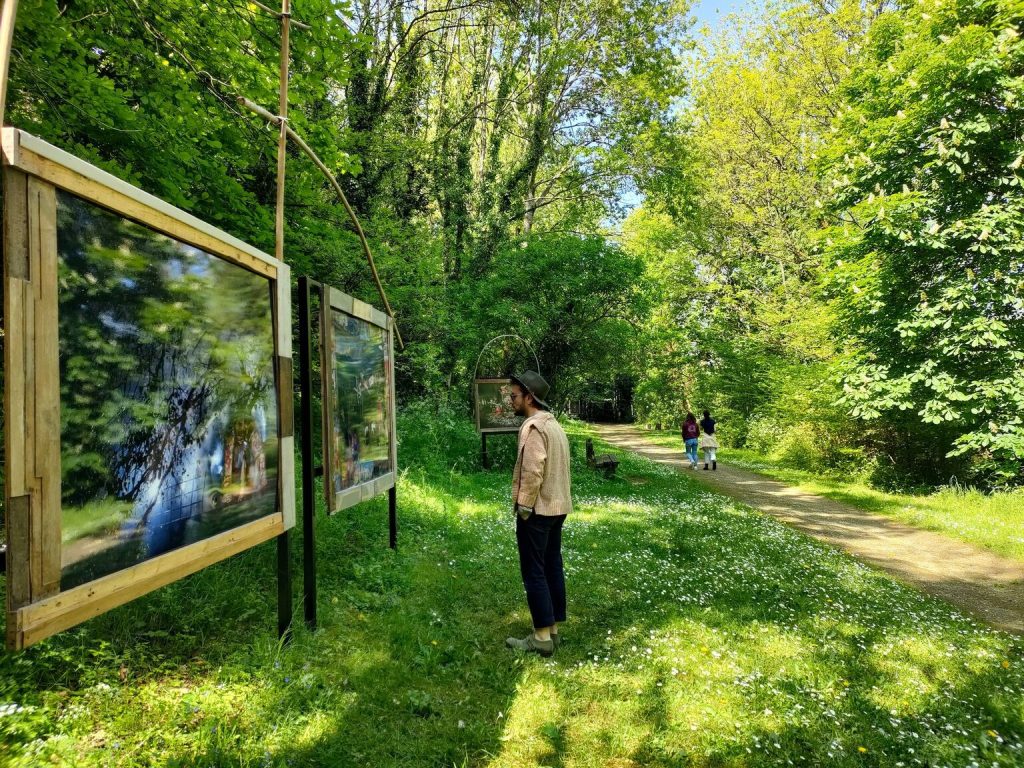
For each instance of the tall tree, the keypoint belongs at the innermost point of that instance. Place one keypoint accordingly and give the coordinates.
(929, 271)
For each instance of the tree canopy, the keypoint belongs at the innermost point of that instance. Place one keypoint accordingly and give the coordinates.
(809, 220)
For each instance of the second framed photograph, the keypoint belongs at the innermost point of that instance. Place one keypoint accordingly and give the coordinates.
(360, 451)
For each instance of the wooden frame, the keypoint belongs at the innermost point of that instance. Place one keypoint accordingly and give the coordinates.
(476, 409)
(36, 607)
(335, 300)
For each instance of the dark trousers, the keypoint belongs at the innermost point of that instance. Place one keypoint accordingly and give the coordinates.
(540, 563)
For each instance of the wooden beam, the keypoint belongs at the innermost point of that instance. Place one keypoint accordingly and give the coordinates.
(39, 620)
(282, 137)
(392, 405)
(46, 482)
(65, 171)
(327, 400)
(17, 304)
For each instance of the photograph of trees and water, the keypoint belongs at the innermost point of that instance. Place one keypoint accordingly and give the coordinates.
(361, 418)
(168, 396)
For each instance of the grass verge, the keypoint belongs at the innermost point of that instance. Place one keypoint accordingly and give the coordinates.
(700, 634)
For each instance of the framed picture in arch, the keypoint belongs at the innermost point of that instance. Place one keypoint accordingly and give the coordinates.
(148, 394)
(360, 451)
(493, 407)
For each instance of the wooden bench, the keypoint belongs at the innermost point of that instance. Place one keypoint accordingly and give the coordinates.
(605, 462)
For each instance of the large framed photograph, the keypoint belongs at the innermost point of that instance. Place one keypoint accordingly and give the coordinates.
(492, 404)
(147, 398)
(360, 451)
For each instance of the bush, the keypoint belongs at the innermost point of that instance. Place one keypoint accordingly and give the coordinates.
(762, 435)
(435, 434)
(805, 445)
(797, 448)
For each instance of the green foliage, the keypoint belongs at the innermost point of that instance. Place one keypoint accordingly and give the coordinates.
(576, 300)
(928, 270)
(739, 326)
(457, 132)
(772, 255)
(436, 435)
(847, 208)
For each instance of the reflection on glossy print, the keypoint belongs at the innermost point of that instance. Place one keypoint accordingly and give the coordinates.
(361, 420)
(168, 396)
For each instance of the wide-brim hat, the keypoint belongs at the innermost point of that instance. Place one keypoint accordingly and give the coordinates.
(533, 383)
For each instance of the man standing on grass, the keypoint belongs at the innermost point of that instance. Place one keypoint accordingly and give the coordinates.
(541, 496)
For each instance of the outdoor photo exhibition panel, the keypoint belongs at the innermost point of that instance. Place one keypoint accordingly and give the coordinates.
(147, 399)
(493, 406)
(357, 343)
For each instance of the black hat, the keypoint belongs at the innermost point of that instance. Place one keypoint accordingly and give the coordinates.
(533, 383)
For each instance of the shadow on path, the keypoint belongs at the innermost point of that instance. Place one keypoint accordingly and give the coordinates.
(979, 582)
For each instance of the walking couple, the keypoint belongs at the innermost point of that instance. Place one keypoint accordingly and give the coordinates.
(708, 442)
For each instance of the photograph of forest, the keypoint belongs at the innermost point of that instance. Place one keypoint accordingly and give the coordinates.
(168, 397)
(361, 411)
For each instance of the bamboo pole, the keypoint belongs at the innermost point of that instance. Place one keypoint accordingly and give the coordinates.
(284, 573)
(274, 13)
(7, 17)
(282, 139)
(276, 120)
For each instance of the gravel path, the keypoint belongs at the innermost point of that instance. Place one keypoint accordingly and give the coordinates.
(979, 582)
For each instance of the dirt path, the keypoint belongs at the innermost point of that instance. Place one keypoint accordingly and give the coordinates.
(977, 581)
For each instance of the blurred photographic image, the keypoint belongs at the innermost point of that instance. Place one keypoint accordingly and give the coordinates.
(360, 408)
(169, 429)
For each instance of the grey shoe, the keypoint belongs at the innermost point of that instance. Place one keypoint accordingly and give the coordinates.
(556, 639)
(531, 644)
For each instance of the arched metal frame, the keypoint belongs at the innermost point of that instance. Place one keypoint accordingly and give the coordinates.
(525, 343)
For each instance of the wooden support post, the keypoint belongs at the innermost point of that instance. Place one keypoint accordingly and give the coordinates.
(282, 138)
(45, 420)
(284, 588)
(484, 459)
(284, 574)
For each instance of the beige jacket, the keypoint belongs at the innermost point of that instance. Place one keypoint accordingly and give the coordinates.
(541, 476)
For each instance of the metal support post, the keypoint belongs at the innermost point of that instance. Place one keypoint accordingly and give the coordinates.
(393, 516)
(306, 447)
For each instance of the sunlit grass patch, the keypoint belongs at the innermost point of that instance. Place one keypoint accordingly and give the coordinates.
(700, 633)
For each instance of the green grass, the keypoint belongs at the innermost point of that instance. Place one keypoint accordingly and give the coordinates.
(700, 634)
(97, 518)
(993, 521)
